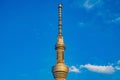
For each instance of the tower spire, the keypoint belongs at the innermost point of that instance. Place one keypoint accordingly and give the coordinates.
(60, 19)
(60, 43)
(60, 70)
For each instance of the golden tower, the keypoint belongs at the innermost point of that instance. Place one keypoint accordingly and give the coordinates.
(60, 70)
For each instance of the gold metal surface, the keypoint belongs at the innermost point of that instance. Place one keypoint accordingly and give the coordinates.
(60, 70)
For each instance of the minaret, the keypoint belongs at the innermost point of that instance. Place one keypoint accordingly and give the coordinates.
(60, 70)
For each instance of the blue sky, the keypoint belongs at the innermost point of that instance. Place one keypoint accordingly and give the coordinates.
(28, 33)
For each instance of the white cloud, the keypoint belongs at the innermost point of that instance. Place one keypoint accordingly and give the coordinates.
(99, 69)
(116, 20)
(81, 24)
(117, 67)
(118, 62)
(88, 4)
(105, 69)
(74, 69)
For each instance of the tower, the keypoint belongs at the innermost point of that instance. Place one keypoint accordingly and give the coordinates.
(60, 70)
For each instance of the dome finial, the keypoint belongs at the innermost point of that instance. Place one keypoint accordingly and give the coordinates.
(60, 5)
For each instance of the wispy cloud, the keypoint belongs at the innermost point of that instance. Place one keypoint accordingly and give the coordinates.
(74, 69)
(98, 68)
(88, 4)
(117, 67)
(116, 20)
(118, 62)
(81, 24)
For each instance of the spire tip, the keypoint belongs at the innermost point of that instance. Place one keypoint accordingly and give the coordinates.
(60, 5)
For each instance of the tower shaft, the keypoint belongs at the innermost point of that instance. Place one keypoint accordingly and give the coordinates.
(60, 70)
